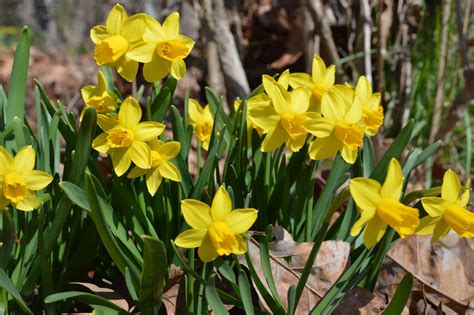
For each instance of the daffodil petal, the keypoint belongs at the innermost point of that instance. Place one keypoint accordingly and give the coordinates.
(99, 33)
(171, 26)
(36, 180)
(241, 220)
(170, 171)
(283, 79)
(156, 69)
(393, 184)
(142, 51)
(319, 127)
(298, 79)
(196, 213)
(300, 100)
(374, 232)
(127, 69)
(400, 217)
(435, 206)
(24, 160)
(464, 198)
(274, 139)
(115, 19)
(170, 149)
(366, 215)
(427, 225)
(318, 69)
(121, 161)
(280, 98)
(178, 69)
(3, 201)
(451, 186)
(140, 154)
(460, 220)
(100, 143)
(264, 117)
(137, 172)
(28, 203)
(324, 148)
(130, 113)
(133, 28)
(191, 238)
(440, 231)
(331, 108)
(295, 144)
(153, 181)
(241, 247)
(365, 192)
(363, 89)
(206, 251)
(330, 76)
(106, 122)
(354, 115)
(148, 130)
(221, 205)
(349, 154)
(6, 159)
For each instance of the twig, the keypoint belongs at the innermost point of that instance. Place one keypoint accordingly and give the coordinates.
(440, 78)
(367, 22)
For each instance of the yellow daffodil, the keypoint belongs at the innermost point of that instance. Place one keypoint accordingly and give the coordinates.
(125, 138)
(448, 211)
(340, 129)
(99, 97)
(286, 120)
(19, 181)
(217, 230)
(379, 206)
(371, 109)
(202, 121)
(161, 166)
(162, 49)
(320, 81)
(114, 39)
(258, 100)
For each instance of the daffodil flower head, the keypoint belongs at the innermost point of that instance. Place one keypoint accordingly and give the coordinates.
(372, 111)
(319, 82)
(379, 206)
(161, 155)
(99, 97)
(125, 138)
(162, 49)
(114, 39)
(341, 127)
(217, 230)
(202, 121)
(448, 211)
(18, 179)
(285, 121)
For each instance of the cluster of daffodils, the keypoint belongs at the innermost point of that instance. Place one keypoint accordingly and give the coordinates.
(19, 181)
(379, 206)
(298, 105)
(124, 41)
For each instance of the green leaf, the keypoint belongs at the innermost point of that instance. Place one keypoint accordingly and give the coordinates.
(429, 151)
(8, 285)
(155, 265)
(18, 78)
(179, 133)
(8, 239)
(76, 195)
(160, 105)
(401, 296)
(88, 298)
(214, 300)
(267, 271)
(245, 293)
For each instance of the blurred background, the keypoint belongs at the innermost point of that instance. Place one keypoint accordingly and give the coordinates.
(416, 53)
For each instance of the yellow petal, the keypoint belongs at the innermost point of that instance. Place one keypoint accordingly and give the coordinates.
(440, 231)
(301, 80)
(195, 111)
(283, 79)
(170, 149)
(319, 127)
(241, 220)
(196, 213)
(401, 218)
(451, 186)
(190, 238)
(186, 41)
(171, 26)
(137, 172)
(280, 97)
(349, 153)
(354, 115)
(221, 205)
(365, 216)
(6, 160)
(324, 148)
(99, 33)
(331, 107)
(140, 154)
(264, 117)
(121, 161)
(464, 198)
(300, 100)
(241, 247)
(393, 184)
(3, 201)
(100, 143)
(156, 69)
(115, 19)
(170, 171)
(427, 225)
(153, 180)
(130, 113)
(28, 203)
(127, 69)
(295, 144)
(318, 69)
(435, 206)
(142, 51)
(460, 220)
(106, 122)
(148, 130)
(206, 251)
(330, 76)
(133, 28)
(274, 139)
(374, 232)
(178, 69)
(36, 180)
(365, 192)
(25, 159)
(363, 89)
